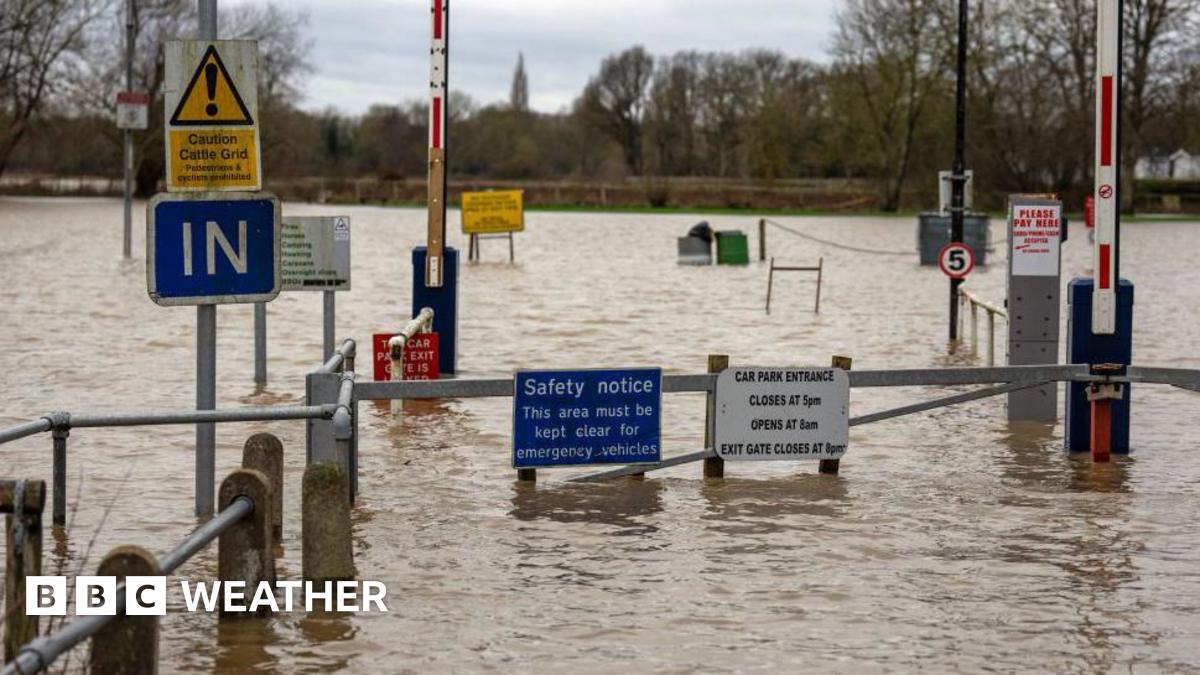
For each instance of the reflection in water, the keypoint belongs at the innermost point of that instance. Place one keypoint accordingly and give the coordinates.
(243, 645)
(1085, 539)
(622, 503)
(762, 506)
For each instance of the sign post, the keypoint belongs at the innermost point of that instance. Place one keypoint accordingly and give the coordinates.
(585, 417)
(956, 260)
(316, 257)
(782, 414)
(958, 179)
(1035, 230)
(495, 213)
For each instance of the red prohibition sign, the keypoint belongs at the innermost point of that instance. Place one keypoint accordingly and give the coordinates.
(1105, 191)
(956, 260)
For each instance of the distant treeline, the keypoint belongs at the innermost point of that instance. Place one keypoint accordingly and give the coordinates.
(881, 110)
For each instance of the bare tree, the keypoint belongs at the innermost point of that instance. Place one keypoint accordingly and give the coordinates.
(37, 39)
(891, 57)
(616, 98)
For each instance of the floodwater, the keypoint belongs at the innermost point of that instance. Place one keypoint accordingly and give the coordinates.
(951, 541)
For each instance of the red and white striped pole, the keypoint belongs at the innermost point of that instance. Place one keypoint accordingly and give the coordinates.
(1106, 256)
(438, 62)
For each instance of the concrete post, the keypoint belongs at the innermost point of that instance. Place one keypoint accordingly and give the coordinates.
(327, 549)
(24, 501)
(321, 389)
(264, 452)
(127, 645)
(245, 551)
(714, 467)
(831, 466)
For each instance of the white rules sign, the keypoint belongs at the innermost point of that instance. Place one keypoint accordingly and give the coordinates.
(782, 413)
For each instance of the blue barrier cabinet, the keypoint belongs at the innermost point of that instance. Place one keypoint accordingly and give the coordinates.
(444, 303)
(1084, 347)
(583, 417)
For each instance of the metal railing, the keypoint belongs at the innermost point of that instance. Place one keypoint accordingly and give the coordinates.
(40, 653)
(965, 297)
(338, 410)
(421, 323)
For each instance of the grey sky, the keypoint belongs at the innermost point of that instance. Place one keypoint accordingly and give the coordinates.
(376, 51)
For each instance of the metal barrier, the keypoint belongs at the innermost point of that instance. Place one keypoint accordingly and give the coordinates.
(40, 653)
(966, 297)
(778, 268)
(339, 366)
(421, 323)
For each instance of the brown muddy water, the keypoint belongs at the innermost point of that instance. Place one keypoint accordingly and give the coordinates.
(952, 540)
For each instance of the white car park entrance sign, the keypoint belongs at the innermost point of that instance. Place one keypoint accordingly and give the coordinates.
(782, 413)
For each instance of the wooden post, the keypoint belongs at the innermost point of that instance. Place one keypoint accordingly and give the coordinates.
(59, 469)
(770, 281)
(127, 645)
(527, 475)
(264, 452)
(714, 467)
(830, 466)
(327, 551)
(762, 239)
(512, 253)
(245, 551)
(23, 557)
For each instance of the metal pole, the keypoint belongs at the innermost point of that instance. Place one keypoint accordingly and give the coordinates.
(958, 179)
(260, 344)
(991, 338)
(206, 346)
(330, 329)
(130, 25)
(206, 399)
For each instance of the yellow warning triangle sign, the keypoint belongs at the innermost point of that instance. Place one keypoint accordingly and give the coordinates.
(210, 98)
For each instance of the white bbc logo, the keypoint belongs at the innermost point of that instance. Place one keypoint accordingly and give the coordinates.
(47, 596)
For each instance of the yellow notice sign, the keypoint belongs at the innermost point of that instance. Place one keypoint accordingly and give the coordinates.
(493, 211)
(208, 159)
(211, 102)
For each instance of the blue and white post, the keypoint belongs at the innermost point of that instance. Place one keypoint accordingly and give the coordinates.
(435, 266)
(1100, 317)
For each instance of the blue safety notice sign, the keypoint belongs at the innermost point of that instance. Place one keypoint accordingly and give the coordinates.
(580, 417)
(202, 250)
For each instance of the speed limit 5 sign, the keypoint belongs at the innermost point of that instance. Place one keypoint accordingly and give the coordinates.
(956, 260)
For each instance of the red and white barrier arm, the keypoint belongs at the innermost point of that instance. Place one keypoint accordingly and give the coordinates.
(435, 240)
(1108, 166)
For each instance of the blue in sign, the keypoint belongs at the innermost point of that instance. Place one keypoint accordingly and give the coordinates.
(575, 417)
(213, 251)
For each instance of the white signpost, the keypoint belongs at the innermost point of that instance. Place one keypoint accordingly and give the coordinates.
(133, 110)
(316, 253)
(1035, 239)
(782, 413)
(316, 257)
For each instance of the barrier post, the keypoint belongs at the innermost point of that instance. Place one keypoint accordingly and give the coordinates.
(264, 452)
(24, 501)
(127, 645)
(245, 551)
(762, 239)
(60, 433)
(831, 466)
(714, 467)
(327, 553)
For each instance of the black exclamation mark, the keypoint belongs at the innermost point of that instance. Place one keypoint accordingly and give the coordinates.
(210, 82)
